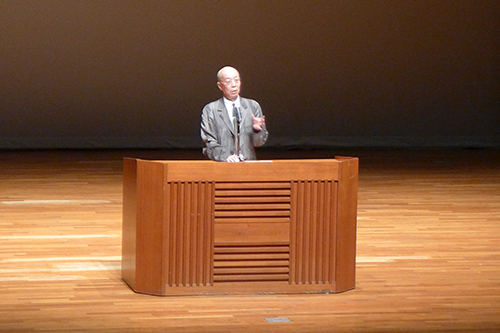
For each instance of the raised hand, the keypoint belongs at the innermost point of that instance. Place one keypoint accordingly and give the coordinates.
(258, 123)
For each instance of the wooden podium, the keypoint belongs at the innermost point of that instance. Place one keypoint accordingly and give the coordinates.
(204, 227)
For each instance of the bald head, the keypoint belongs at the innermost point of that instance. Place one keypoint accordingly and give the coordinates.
(227, 70)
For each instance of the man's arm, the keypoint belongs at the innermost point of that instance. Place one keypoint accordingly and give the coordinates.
(259, 135)
(212, 147)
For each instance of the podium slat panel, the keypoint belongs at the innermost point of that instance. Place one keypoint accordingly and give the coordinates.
(250, 256)
(260, 206)
(252, 185)
(252, 213)
(255, 219)
(258, 192)
(257, 263)
(255, 199)
(313, 222)
(250, 270)
(189, 239)
(250, 277)
(251, 249)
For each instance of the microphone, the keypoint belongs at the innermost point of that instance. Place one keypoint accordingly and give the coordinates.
(236, 114)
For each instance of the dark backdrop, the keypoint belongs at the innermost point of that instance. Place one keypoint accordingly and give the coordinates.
(136, 73)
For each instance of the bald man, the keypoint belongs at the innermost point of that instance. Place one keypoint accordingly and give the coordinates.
(217, 128)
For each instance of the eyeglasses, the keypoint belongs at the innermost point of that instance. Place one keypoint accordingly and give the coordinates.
(229, 81)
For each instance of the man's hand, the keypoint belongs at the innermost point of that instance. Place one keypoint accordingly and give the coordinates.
(232, 158)
(258, 123)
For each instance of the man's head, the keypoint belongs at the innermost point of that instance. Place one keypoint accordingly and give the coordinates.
(228, 81)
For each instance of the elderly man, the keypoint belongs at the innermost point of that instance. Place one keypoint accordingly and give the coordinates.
(217, 127)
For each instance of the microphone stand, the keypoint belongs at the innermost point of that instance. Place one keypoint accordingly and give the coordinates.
(236, 127)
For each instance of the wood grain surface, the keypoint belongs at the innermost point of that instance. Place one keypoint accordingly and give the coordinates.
(428, 250)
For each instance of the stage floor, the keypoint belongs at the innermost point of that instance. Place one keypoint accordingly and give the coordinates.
(428, 249)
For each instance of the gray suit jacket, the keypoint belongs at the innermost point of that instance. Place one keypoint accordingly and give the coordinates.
(217, 132)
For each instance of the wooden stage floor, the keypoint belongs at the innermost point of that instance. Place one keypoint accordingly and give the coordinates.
(428, 250)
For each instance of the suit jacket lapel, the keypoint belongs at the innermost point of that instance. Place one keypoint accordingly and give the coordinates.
(244, 109)
(221, 110)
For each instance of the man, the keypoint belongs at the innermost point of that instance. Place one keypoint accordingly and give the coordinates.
(217, 128)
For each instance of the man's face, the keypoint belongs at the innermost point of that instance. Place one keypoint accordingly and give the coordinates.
(229, 83)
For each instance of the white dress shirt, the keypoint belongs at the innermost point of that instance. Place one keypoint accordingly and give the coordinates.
(229, 107)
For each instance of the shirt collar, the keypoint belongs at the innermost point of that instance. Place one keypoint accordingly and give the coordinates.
(228, 102)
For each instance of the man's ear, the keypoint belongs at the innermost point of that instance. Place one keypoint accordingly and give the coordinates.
(219, 85)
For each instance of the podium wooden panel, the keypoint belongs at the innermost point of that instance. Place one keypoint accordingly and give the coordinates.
(204, 227)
